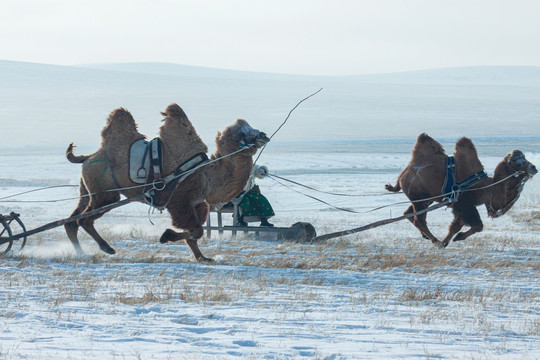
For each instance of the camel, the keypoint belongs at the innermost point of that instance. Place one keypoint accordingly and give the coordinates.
(107, 170)
(423, 179)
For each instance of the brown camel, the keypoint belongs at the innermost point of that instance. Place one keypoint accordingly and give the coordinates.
(423, 179)
(107, 170)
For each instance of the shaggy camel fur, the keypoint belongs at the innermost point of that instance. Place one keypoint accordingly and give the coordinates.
(108, 169)
(424, 176)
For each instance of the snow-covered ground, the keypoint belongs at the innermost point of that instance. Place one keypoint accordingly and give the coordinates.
(385, 293)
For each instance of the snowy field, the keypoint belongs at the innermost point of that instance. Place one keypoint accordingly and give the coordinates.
(381, 294)
(385, 293)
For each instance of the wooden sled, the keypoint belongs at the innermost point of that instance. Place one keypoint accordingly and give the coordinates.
(300, 231)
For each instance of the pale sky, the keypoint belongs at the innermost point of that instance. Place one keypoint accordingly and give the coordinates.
(335, 37)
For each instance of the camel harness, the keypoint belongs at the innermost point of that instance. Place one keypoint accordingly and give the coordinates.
(145, 167)
(451, 188)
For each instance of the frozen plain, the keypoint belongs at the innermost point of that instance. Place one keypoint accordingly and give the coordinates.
(385, 293)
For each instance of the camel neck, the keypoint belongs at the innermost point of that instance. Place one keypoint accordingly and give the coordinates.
(503, 196)
(228, 177)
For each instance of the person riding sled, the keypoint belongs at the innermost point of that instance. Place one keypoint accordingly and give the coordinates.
(254, 206)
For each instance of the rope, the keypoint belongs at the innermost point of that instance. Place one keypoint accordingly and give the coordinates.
(153, 183)
(275, 177)
(314, 198)
(327, 192)
(2, 200)
(283, 123)
(34, 190)
(42, 201)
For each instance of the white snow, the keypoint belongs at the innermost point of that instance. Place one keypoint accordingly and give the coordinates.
(378, 294)
(384, 293)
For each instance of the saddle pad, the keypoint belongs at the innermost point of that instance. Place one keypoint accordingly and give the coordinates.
(139, 161)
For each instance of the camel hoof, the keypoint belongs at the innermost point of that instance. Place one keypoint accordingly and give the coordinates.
(440, 244)
(106, 248)
(80, 253)
(204, 259)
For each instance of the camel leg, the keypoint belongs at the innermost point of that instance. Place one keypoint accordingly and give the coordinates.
(88, 223)
(420, 223)
(465, 213)
(172, 236)
(202, 211)
(411, 219)
(195, 218)
(473, 219)
(88, 226)
(72, 227)
(454, 227)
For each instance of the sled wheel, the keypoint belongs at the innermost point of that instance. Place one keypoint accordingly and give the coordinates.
(5, 240)
(15, 217)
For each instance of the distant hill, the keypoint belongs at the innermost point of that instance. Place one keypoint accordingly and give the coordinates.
(489, 75)
(168, 69)
(501, 75)
(50, 106)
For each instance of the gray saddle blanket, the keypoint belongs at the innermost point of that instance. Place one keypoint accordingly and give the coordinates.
(145, 160)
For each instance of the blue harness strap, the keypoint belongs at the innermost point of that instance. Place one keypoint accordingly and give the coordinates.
(452, 189)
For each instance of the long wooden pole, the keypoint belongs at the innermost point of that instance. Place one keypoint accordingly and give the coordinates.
(379, 223)
(58, 223)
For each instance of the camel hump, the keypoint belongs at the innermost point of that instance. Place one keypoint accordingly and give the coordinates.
(174, 111)
(426, 145)
(123, 117)
(119, 121)
(467, 161)
(466, 145)
(423, 138)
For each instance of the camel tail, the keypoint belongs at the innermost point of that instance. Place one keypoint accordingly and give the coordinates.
(73, 158)
(394, 188)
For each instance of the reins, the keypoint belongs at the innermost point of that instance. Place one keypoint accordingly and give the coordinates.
(500, 212)
(34, 190)
(185, 173)
(445, 202)
(284, 121)
(275, 177)
(322, 191)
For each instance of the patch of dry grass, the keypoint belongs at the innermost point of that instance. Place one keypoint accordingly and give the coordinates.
(476, 294)
(168, 274)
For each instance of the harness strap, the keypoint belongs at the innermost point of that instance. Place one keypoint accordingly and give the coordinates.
(186, 166)
(155, 157)
(451, 188)
(450, 177)
(142, 173)
(159, 197)
(496, 213)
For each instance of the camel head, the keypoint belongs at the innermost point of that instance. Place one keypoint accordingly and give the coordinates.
(240, 135)
(506, 194)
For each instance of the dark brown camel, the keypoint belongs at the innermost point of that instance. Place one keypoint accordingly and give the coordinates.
(108, 169)
(424, 176)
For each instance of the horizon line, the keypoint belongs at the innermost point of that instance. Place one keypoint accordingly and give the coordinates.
(96, 67)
